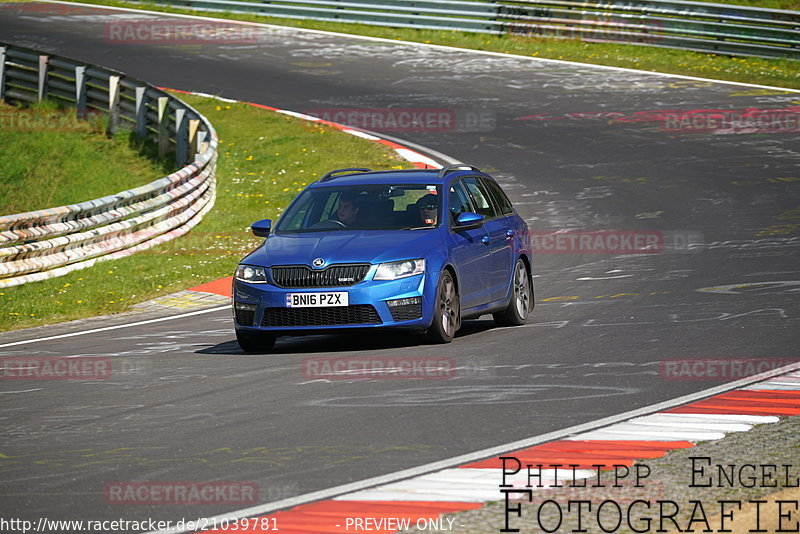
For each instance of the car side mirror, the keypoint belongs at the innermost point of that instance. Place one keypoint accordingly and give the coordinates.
(468, 220)
(261, 228)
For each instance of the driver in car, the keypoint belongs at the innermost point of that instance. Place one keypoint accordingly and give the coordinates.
(347, 210)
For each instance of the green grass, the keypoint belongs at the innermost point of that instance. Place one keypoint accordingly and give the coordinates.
(265, 159)
(775, 72)
(789, 5)
(46, 155)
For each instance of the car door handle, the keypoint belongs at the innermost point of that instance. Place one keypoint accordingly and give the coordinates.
(486, 240)
(510, 234)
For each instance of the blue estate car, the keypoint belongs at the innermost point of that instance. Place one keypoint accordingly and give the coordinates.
(412, 249)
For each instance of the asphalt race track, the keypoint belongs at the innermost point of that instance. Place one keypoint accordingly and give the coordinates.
(576, 147)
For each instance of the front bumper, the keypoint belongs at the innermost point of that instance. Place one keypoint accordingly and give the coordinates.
(262, 307)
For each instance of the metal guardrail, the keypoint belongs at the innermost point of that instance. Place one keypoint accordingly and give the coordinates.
(703, 27)
(52, 242)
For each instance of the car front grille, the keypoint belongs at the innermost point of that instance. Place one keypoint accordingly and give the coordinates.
(329, 316)
(406, 312)
(291, 276)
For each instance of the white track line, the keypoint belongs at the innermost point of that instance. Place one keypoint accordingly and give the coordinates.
(425, 45)
(472, 485)
(443, 464)
(107, 328)
(568, 433)
(406, 153)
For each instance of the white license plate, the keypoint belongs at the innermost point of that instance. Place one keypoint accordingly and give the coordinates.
(316, 300)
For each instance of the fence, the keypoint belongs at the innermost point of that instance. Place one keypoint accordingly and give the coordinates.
(47, 243)
(698, 26)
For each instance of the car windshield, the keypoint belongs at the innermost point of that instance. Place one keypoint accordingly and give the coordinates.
(363, 207)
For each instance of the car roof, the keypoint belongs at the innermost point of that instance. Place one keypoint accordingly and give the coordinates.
(405, 176)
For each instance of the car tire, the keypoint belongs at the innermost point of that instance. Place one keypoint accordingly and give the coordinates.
(446, 311)
(519, 307)
(255, 343)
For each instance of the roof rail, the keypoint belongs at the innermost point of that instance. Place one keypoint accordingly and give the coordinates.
(444, 170)
(331, 175)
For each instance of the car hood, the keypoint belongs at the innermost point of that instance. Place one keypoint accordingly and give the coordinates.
(344, 246)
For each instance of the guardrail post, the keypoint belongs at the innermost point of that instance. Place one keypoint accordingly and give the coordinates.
(2, 73)
(181, 137)
(43, 63)
(202, 144)
(194, 127)
(80, 91)
(141, 113)
(113, 104)
(163, 126)
(94, 236)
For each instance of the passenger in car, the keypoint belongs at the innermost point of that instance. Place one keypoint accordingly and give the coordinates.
(427, 207)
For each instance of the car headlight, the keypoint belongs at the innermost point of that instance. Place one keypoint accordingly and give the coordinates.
(251, 274)
(399, 269)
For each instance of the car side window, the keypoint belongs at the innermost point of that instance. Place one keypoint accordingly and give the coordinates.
(480, 197)
(459, 200)
(499, 197)
(300, 217)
